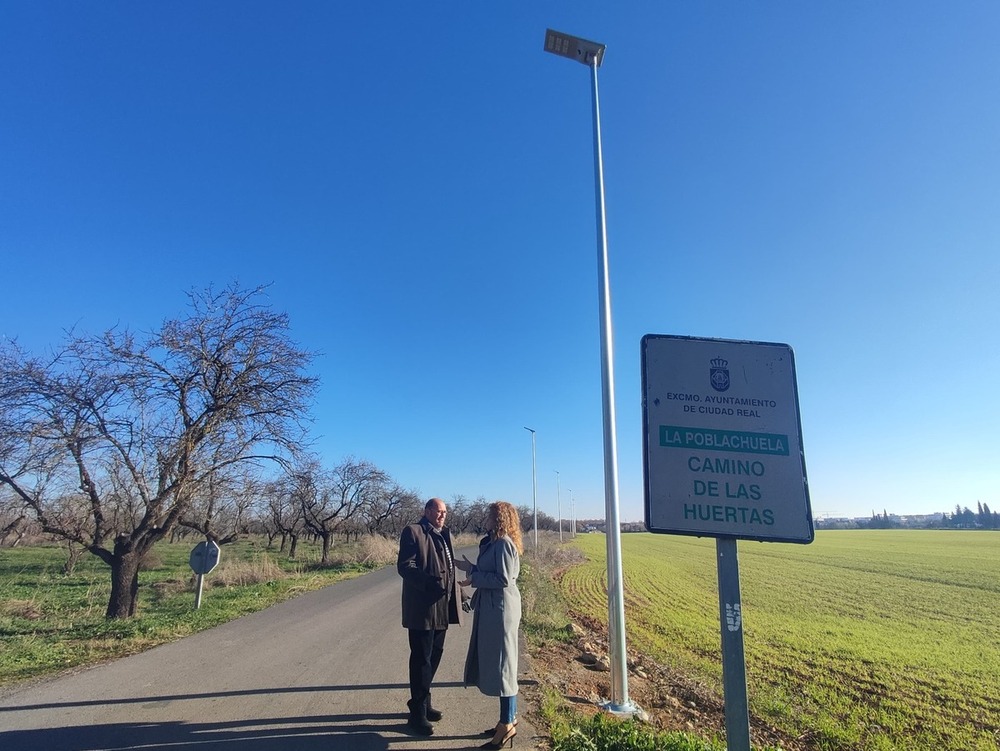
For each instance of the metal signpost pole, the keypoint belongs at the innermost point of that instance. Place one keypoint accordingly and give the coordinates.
(197, 596)
(734, 675)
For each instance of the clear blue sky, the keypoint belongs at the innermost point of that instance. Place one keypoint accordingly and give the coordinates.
(415, 181)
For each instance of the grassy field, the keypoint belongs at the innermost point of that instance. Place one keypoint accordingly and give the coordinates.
(868, 640)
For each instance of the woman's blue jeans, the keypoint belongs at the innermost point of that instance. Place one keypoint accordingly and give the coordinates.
(508, 709)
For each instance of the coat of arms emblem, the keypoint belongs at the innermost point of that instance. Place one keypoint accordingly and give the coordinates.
(719, 374)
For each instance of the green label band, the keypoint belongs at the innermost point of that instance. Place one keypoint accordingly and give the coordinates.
(774, 444)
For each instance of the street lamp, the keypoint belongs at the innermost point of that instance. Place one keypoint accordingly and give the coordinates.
(534, 500)
(591, 54)
(558, 505)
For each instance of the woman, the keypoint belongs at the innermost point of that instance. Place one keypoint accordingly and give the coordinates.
(491, 664)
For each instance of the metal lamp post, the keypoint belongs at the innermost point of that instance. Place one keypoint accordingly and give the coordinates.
(534, 495)
(591, 54)
(558, 505)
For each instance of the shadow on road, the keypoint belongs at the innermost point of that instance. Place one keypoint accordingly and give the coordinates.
(161, 699)
(302, 733)
(346, 732)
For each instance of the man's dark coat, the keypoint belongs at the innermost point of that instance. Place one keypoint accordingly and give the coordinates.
(427, 578)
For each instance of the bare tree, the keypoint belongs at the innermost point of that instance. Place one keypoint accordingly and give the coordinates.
(528, 519)
(331, 499)
(110, 440)
(467, 516)
(458, 513)
(284, 514)
(382, 514)
(221, 509)
(477, 513)
(406, 513)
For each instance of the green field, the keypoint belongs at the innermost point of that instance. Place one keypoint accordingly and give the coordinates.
(869, 640)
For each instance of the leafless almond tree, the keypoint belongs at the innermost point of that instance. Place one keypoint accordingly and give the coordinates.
(283, 515)
(331, 499)
(390, 508)
(222, 509)
(109, 440)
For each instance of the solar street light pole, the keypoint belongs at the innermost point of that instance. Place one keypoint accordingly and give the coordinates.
(534, 500)
(558, 505)
(591, 54)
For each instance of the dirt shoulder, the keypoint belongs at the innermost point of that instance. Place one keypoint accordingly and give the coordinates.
(579, 672)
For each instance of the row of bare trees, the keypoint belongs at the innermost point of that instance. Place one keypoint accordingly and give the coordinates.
(111, 443)
(353, 498)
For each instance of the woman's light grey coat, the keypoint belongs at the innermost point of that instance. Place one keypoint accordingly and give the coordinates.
(491, 664)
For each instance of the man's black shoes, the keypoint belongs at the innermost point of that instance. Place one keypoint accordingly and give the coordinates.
(432, 714)
(417, 721)
(419, 726)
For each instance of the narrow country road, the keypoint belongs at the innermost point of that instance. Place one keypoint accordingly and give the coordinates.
(326, 670)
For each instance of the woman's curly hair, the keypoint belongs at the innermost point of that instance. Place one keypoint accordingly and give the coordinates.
(508, 523)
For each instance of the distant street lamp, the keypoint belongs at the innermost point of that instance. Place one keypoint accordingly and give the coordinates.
(558, 505)
(534, 498)
(591, 54)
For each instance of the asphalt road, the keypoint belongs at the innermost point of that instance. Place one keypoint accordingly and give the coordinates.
(326, 670)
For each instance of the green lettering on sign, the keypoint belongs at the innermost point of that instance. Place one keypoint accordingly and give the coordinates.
(673, 436)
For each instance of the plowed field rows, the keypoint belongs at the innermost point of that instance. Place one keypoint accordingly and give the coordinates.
(870, 640)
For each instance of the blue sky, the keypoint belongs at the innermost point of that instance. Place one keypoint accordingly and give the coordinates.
(415, 181)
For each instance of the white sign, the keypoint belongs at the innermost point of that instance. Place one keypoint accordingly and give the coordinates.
(722, 440)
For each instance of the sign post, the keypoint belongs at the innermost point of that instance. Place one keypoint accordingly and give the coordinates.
(734, 672)
(204, 558)
(723, 458)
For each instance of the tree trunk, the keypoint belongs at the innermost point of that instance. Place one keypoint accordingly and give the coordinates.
(325, 558)
(292, 547)
(15, 529)
(73, 555)
(124, 583)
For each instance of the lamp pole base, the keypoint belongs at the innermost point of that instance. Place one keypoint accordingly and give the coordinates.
(628, 709)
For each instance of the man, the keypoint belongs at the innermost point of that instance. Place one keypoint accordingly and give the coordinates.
(431, 599)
